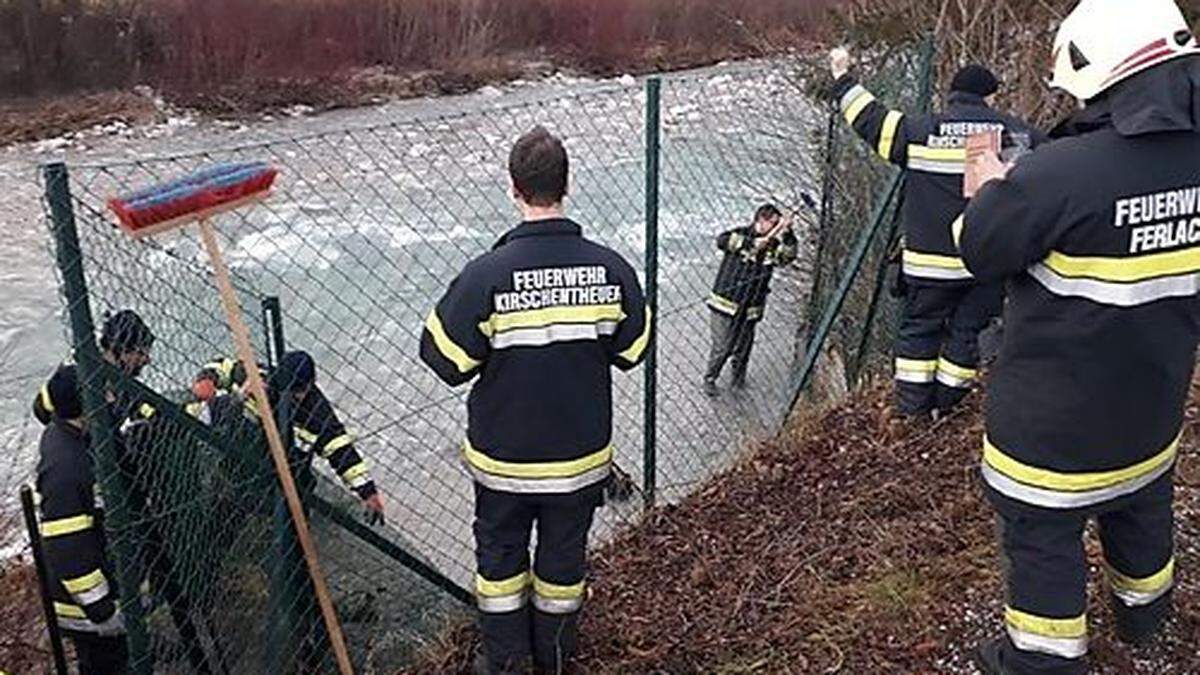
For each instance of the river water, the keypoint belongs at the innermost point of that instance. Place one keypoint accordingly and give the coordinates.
(376, 209)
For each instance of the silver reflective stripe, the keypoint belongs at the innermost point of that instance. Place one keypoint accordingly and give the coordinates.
(913, 377)
(559, 332)
(1118, 294)
(954, 381)
(92, 595)
(115, 625)
(540, 486)
(558, 605)
(852, 95)
(1055, 499)
(1140, 598)
(939, 273)
(502, 604)
(1068, 648)
(935, 166)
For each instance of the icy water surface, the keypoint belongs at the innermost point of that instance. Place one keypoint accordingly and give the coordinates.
(369, 226)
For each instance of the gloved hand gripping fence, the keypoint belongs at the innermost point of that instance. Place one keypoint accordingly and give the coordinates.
(198, 198)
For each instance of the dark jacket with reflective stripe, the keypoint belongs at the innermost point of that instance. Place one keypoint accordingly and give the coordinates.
(744, 280)
(1099, 234)
(540, 320)
(81, 581)
(315, 424)
(931, 147)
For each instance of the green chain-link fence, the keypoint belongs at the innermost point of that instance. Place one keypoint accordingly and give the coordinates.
(364, 230)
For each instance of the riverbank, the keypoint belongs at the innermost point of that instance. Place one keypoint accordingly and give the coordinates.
(26, 120)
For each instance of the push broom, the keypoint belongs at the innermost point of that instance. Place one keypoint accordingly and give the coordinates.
(198, 198)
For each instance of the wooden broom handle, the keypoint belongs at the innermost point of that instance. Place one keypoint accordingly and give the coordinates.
(241, 338)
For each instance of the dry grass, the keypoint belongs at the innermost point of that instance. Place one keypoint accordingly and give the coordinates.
(853, 543)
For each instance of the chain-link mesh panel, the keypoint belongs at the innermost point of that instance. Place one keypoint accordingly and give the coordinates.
(365, 229)
(730, 143)
(856, 182)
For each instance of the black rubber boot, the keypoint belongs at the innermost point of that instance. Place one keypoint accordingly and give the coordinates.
(988, 657)
(1139, 627)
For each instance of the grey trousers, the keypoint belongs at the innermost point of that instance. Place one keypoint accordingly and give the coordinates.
(731, 336)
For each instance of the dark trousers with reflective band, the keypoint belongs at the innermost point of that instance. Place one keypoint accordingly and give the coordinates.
(731, 337)
(524, 613)
(937, 348)
(1046, 572)
(100, 655)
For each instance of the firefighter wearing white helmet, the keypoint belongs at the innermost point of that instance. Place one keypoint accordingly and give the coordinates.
(1098, 235)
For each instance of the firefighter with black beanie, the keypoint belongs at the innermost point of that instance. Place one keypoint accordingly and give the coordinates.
(1098, 234)
(540, 320)
(945, 307)
(81, 581)
(125, 343)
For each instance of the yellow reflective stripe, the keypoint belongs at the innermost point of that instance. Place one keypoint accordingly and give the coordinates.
(194, 409)
(564, 469)
(537, 318)
(84, 583)
(948, 262)
(1138, 268)
(735, 242)
(455, 354)
(887, 136)
(915, 366)
(1072, 482)
(357, 471)
(65, 526)
(304, 435)
(69, 611)
(1150, 584)
(723, 304)
(509, 586)
(336, 444)
(146, 411)
(951, 368)
(639, 345)
(950, 155)
(47, 402)
(1075, 627)
(956, 229)
(557, 591)
(858, 105)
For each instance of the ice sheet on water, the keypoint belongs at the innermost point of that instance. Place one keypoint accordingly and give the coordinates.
(403, 236)
(284, 245)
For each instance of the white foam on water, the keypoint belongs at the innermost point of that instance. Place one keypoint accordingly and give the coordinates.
(286, 245)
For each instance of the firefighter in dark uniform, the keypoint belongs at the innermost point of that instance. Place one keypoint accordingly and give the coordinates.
(945, 309)
(126, 342)
(739, 296)
(540, 320)
(315, 423)
(1099, 235)
(81, 581)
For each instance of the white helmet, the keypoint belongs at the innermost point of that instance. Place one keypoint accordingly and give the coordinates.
(1105, 41)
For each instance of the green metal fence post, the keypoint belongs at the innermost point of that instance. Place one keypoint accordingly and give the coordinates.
(852, 269)
(650, 422)
(118, 521)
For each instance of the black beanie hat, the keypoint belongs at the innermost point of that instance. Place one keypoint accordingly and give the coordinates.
(975, 79)
(125, 331)
(64, 394)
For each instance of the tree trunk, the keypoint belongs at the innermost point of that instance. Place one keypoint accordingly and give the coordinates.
(31, 11)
